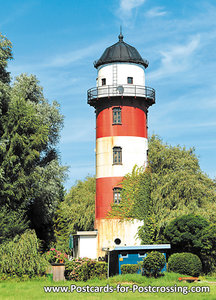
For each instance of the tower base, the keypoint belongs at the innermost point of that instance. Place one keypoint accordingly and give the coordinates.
(115, 232)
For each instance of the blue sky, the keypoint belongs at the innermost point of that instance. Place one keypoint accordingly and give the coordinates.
(58, 41)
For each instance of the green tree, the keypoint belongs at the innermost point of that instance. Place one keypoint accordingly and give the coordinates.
(185, 233)
(178, 185)
(5, 55)
(208, 248)
(173, 186)
(31, 178)
(76, 212)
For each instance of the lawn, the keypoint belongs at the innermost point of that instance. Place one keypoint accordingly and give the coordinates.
(34, 289)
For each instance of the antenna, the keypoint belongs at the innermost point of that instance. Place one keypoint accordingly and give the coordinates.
(120, 35)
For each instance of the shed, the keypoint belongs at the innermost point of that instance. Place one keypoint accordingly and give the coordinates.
(85, 244)
(132, 255)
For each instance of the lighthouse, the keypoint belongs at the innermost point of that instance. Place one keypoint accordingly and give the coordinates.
(121, 101)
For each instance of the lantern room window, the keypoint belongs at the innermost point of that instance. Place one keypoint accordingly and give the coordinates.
(103, 81)
(117, 155)
(130, 80)
(117, 195)
(117, 115)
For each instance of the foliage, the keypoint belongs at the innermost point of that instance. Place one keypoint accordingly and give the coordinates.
(185, 233)
(76, 212)
(21, 257)
(55, 256)
(185, 263)
(82, 269)
(208, 248)
(136, 202)
(12, 223)
(178, 185)
(129, 269)
(172, 185)
(153, 263)
(31, 178)
(5, 55)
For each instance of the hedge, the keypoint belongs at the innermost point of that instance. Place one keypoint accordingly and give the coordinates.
(82, 269)
(185, 263)
(129, 269)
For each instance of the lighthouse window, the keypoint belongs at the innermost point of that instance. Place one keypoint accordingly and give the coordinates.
(103, 80)
(116, 115)
(130, 80)
(117, 155)
(116, 195)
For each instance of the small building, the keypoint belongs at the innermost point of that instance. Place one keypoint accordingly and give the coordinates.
(85, 244)
(133, 255)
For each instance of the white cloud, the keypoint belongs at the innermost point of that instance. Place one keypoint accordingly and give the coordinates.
(73, 56)
(126, 6)
(176, 59)
(126, 11)
(60, 60)
(156, 12)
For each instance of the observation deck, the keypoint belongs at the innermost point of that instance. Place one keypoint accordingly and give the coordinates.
(108, 91)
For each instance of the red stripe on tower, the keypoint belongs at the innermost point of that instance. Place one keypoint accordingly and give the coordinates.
(132, 122)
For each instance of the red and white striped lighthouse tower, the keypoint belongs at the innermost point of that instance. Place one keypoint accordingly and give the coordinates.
(121, 102)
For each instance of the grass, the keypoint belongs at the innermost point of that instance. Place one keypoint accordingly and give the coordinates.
(33, 289)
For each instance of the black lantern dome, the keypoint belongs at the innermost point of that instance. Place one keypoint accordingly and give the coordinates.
(121, 52)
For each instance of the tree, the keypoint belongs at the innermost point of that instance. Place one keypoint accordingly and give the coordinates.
(208, 248)
(31, 178)
(178, 185)
(5, 55)
(185, 233)
(76, 212)
(173, 186)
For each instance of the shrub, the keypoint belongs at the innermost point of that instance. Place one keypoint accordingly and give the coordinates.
(55, 256)
(82, 269)
(185, 263)
(184, 233)
(22, 258)
(129, 269)
(153, 263)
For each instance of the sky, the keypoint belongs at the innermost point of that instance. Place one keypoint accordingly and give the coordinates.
(58, 41)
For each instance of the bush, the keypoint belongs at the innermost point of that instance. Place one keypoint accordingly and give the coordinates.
(184, 233)
(185, 263)
(82, 269)
(22, 258)
(55, 256)
(153, 263)
(129, 269)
